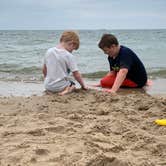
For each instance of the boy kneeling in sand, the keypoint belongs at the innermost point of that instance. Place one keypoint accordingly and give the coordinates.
(126, 69)
(58, 63)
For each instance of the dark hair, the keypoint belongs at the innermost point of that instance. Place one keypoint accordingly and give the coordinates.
(107, 40)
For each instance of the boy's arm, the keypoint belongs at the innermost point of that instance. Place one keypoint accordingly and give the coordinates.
(78, 77)
(44, 70)
(120, 77)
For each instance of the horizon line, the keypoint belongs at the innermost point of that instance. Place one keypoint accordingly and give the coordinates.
(82, 29)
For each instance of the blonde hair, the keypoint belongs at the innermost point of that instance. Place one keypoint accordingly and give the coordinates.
(70, 36)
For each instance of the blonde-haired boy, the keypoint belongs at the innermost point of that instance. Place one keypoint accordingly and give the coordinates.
(58, 63)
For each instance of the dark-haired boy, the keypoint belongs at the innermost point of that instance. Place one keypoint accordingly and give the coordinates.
(126, 69)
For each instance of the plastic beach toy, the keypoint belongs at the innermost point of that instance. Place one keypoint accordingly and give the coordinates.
(161, 122)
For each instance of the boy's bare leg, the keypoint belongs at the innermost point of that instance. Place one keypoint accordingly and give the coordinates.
(95, 85)
(67, 90)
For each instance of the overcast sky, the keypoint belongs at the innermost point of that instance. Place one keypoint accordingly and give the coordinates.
(82, 14)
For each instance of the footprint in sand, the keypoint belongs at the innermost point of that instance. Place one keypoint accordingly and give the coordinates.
(103, 160)
(41, 151)
(36, 132)
(57, 129)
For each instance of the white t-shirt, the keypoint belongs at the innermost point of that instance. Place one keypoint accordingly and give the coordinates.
(59, 63)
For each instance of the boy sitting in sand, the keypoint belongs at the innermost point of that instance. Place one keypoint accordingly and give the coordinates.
(126, 69)
(58, 63)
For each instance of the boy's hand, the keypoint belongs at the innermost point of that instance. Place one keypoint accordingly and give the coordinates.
(109, 91)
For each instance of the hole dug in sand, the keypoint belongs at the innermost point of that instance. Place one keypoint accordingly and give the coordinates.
(41, 151)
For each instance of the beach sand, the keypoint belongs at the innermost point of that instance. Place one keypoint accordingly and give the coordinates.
(90, 128)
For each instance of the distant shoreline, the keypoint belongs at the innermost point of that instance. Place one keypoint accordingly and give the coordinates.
(82, 29)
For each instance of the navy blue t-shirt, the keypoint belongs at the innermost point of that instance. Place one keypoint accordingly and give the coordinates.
(128, 59)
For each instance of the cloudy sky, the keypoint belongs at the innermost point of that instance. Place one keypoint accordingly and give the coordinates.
(82, 14)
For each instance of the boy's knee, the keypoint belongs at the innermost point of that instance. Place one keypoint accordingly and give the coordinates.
(105, 83)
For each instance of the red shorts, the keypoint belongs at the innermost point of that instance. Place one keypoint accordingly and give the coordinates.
(108, 81)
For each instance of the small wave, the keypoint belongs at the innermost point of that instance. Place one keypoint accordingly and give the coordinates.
(34, 74)
(30, 70)
(94, 75)
(17, 69)
(159, 73)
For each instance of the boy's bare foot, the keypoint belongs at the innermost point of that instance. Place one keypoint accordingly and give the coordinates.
(67, 90)
(149, 82)
(48, 92)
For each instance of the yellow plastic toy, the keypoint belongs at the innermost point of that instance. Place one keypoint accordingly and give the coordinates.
(161, 122)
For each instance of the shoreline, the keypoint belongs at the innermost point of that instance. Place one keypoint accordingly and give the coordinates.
(11, 88)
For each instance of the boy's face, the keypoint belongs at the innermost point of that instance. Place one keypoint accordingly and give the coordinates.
(110, 51)
(71, 46)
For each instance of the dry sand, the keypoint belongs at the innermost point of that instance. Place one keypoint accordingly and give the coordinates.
(83, 129)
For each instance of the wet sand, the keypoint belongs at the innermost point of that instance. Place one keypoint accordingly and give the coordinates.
(90, 128)
(25, 88)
